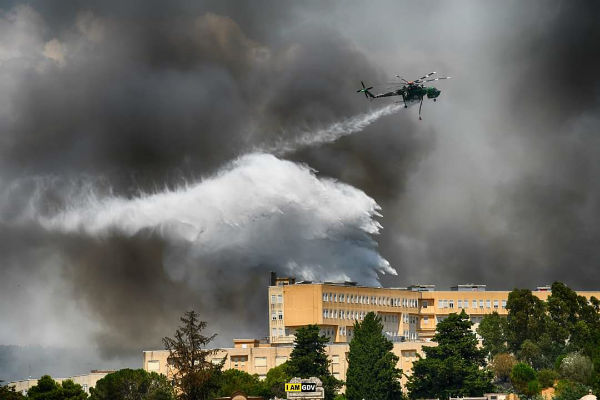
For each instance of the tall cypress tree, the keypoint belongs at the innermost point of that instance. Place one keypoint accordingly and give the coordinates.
(372, 372)
(309, 359)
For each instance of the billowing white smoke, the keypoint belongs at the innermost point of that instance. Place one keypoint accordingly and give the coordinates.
(332, 132)
(259, 210)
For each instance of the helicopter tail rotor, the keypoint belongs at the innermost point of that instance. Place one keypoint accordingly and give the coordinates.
(365, 90)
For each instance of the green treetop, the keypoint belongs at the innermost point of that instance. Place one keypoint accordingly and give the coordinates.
(195, 376)
(372, 372)
(48, 389)
(308, 358)
(128, 384)
(453, 368)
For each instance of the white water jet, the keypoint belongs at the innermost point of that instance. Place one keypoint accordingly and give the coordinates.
(332, 132)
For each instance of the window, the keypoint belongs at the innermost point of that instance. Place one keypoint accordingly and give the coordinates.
(495, 303)
(424, 303)
(273, 316)
(440, 303)
(280, 331)
(459, 305)
(273, 298)
(274, 332)
(324, 296)
(280, 314)
(335, 297)
(503, 303)
(474, 303)
(324, 313)
(488, 303)
(335, 359)
(280, 298)
(216, 361)
(466, 303)
(480, 303)
(425, 320)
(451, 303)
(260, 361)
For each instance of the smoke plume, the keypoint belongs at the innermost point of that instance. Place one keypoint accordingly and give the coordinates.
(135, 179)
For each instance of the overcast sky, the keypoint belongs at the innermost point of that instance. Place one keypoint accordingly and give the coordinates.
(140, 177)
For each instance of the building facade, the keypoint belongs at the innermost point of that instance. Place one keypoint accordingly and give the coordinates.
(407, 314)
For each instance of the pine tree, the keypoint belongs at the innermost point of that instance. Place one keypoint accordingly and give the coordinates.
(455, 367)
(372, 372)
(308, 359)
(195, 376)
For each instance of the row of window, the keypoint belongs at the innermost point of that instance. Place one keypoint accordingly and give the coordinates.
(276, 315)
(410, 335)
(276, 332)
(378, 301)
(277, 299)
(465, 303)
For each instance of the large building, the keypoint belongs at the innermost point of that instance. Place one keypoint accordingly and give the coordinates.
(408, 314)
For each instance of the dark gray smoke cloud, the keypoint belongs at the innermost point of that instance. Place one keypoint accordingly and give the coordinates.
(497, 185)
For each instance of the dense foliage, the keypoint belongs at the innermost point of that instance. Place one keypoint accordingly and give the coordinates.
(309, 358)
(234, 380)
(557, 338)
(372, 372)
(128, 384)
(9, 393)
(453, 368)
(48, 389)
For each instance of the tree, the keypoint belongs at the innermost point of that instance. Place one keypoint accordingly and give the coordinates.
(195, 375)
(492, 329)
(372, 371)
(526, 318)
(308, 358)
(567, 390)
(275, 380)
(502, 365)
(455, 367)
(524, 379)
(9, 393)
(48, 389)
(546, 377)
(233, 380)
(128, 384)
(577, 368)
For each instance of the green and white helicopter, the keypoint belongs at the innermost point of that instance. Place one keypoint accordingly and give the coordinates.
(411, 91)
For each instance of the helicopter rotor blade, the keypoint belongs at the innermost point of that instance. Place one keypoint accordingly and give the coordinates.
(437, 79)
(426, 76)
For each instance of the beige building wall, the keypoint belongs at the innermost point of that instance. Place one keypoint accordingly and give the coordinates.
(407, 314)
(250, 356)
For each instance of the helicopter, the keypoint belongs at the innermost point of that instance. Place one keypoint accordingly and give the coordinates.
(411, 91)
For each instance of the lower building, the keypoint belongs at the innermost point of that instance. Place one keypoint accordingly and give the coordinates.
(87, 381)
(255, 357)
